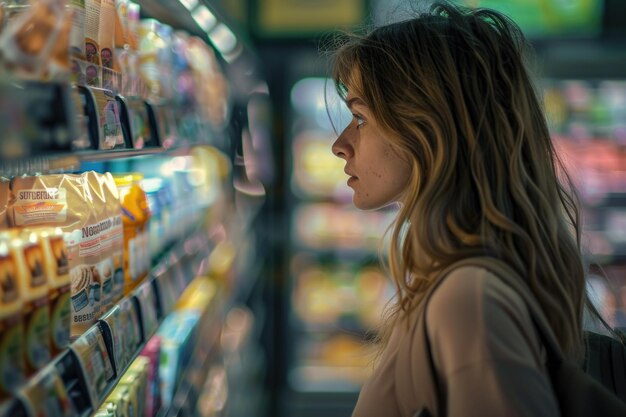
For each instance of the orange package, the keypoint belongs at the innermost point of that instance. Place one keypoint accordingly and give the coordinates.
(135, 217)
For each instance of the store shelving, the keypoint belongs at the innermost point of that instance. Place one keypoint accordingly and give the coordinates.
(86, 387)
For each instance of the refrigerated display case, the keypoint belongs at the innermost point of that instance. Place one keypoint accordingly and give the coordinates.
(336, 288)
(587, 119)
(125, 238)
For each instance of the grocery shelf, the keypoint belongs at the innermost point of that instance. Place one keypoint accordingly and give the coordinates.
(79, 388)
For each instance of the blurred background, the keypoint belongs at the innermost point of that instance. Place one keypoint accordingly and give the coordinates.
(327, 282)
(306, 290)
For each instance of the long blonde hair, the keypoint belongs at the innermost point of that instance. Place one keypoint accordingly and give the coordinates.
(451, 90)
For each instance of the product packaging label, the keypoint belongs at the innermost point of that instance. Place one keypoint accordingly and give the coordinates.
(94, 359)
(40, 206)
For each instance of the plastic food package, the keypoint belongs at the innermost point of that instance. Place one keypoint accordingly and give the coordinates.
(28, 41)
(67, 201)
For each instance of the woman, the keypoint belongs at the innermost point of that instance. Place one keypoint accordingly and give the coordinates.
(447, 124)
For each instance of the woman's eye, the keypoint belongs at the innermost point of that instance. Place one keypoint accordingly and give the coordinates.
(359, 121)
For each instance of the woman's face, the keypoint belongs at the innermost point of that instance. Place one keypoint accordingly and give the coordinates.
(378, 174)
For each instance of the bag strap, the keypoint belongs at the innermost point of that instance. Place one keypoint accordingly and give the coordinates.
(512, 279)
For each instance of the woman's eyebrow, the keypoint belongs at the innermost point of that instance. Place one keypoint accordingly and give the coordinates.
(355, 101)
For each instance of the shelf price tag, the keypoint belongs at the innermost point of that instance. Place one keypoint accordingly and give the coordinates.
(113, 323)
(148, 307)
(45, 395)
(94, 360)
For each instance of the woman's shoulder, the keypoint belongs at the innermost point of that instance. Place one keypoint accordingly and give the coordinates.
(473, 293)
(475, 311)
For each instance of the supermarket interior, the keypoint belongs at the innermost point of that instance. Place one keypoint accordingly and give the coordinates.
(176, 236)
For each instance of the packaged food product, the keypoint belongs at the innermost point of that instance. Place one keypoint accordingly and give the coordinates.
(92, 29)
(65, 201)
(58, 64)
(45, 395)
(129, 322)
(107, 210)
(135, 217)
(126, 404)
(132, 24)
(166, 206)
(109, 409)
(133, 380)
(114, 212)
(106, 32)
(150, 44)
(11, 326)
(29, 258)
(29, 38)
(140, 367)
(151, 352)
(77, 36)
(94, 361)
(120, 38)
(156, 232)
(177, 343)
(57, 269)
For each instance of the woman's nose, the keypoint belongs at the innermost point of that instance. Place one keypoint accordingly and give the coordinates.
(341, 147)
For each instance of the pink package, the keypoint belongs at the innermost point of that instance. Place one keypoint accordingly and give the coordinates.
(152, 351)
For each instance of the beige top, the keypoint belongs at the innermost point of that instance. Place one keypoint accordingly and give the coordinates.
(487, 354)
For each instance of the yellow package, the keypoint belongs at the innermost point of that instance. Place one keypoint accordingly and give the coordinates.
(113, 407)
(57, 269)
(11, 326)
(140, 367)
(126, 401)
(29, 259)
